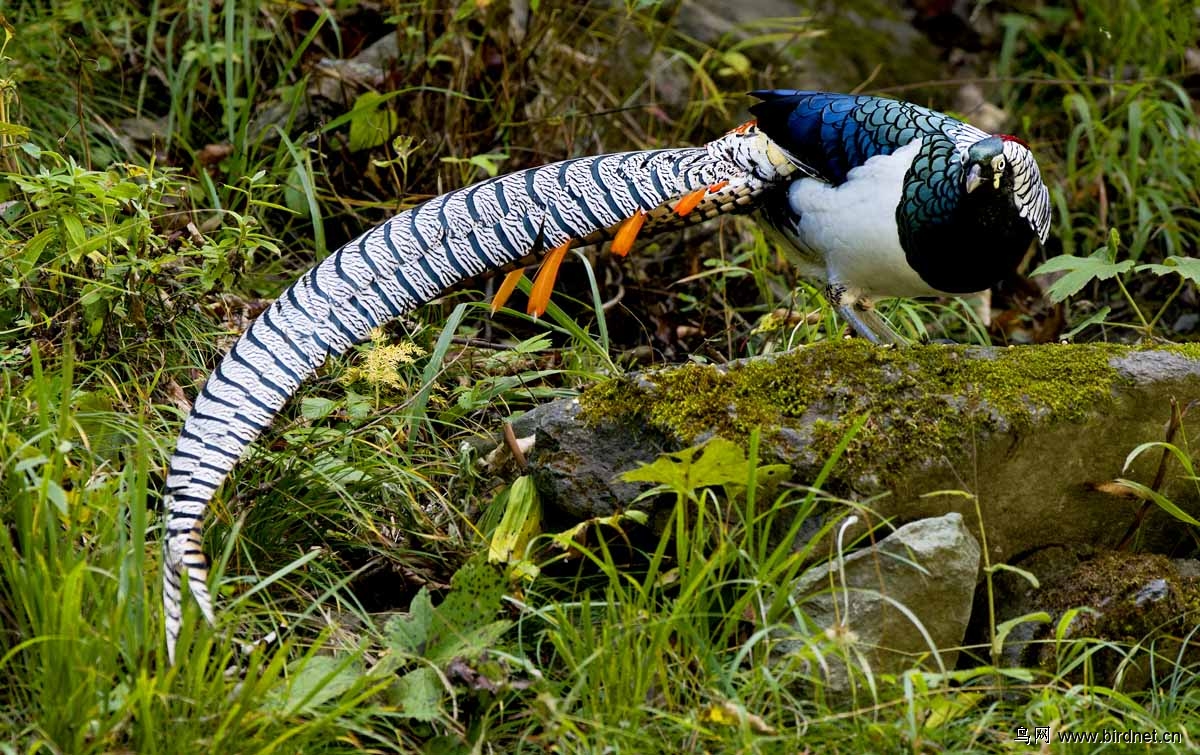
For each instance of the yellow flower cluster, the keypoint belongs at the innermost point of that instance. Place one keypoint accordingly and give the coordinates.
(381, 365)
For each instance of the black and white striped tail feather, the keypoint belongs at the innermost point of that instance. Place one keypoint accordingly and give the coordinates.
(405, 262)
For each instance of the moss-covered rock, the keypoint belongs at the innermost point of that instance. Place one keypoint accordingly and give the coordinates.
(919, 403)
(1028, 431)
(1128, 599)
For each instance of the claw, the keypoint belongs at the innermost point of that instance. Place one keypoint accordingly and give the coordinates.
(860, 312)
(543, 282)
(507, 286)
(627, 233)
(871, 326)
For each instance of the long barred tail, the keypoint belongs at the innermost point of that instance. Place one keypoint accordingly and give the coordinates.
(413, 258)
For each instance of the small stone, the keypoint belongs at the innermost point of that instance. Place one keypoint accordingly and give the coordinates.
(892, 599)
(1154, 591)
(1186, 323)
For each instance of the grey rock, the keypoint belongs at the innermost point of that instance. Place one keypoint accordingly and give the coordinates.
(1187, 567)
(1153, 366)
(1152, 592)
(905, 599)
(1186, 323)
(574, 464)
(1028, 451)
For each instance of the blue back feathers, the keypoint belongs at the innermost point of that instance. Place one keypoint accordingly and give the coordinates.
(833, 133)
(957, 241)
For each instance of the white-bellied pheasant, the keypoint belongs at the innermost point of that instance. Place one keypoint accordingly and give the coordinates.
(899, 200)
(878, 197)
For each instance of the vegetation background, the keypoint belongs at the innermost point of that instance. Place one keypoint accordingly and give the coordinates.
(169, 166)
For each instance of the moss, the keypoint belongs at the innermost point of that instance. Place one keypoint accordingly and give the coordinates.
(921, 402)
(1191, 350)
(1120, 587)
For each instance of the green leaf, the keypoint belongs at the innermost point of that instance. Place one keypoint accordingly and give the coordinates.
(1166, 504)
(737, 63)
(469, 645)
(464, 622)
(370, 124)
(419, 694)
(1180, 455)
(950, 707)
(489, 162)
(358, 406)
(1080, 271)
(12, 130)
(568, 538)
(535, 345)
(315, 407)
(317, 680)
(1187, 267)
(33, 250)
(1028, 576)
(93, 294)
(1006, 628)
(294, 197)
(1114, 244)
(75, 236)
(1068, 618)
(773, 474)
(409, 633)
(715, 462)
(1096, 318)
(124, 190)
(463, 626)
(57, 496)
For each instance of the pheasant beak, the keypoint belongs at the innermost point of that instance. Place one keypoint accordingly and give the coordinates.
(974, 178)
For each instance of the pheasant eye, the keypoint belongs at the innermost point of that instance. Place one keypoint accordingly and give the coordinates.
(998, 164)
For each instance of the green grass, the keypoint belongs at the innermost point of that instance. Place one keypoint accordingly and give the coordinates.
(168, 167)
(78, 560)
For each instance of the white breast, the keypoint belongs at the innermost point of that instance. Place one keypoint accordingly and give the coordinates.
(852, 227)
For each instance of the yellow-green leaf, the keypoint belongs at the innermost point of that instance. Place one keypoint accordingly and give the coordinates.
(715, 462)
(521, 522)
(371, 124)
(74, 236)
